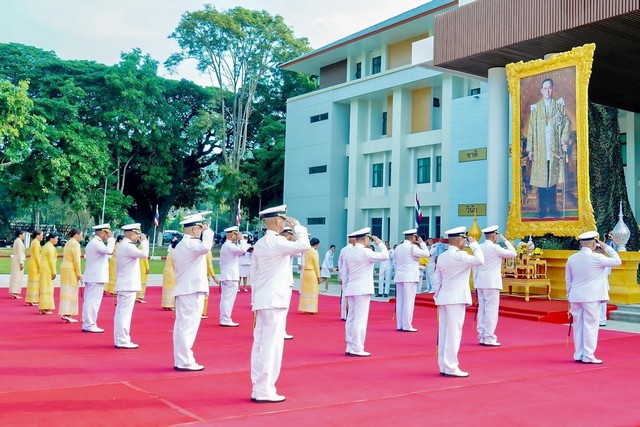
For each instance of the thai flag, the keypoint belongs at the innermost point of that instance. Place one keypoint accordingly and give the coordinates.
(238, 214)
(418, 212)
(156, 218)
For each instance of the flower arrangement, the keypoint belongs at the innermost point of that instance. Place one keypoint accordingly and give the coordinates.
(537, 252)
(522, 248)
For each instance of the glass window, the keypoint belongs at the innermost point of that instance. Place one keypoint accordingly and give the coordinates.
(317, 169)
(389, 175)
(358, 70)
(376, 65)
(384, 123)
(319, 117)
(315, 221)
(438, 234)
(377, 175)
(423, 227)
(623, 148)
(376, 227)
(424, 170)
(438, 168)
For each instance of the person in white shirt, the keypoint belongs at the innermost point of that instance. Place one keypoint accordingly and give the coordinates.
(357, 277)
(343, 298)
(233, 248)
(128, 282)
(16, 279)
(245, 267)
(96, 274)
(327, 268)
(385, 269)
(287, 232)
(431, 265)
(271, 297)
(407, 277)
(452, 297)
(585, 275)
(192, 285)
(487, 279)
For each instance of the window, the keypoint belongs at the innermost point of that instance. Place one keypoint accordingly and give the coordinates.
(474, 92)
(376, 176)
(376, 227)
(315, 221)
(384, 123)
(376, 65)
(317, 169)
(438, 168)
(389, 175)
(423, 227)
(319, 117)
(358, 70)
(623, 148)
(438, 227)
(424, 170)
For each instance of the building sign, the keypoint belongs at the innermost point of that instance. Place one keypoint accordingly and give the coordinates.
(472, 155)
(480, 209)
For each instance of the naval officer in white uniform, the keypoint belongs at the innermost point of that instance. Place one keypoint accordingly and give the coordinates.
(96, 274)
(357, 280)
(128, 282)
(487, 280)
(190, 259)
(343, 298)
(407, 267)
(586, 278)
(452, 297)
(233, 248)
(271, 296)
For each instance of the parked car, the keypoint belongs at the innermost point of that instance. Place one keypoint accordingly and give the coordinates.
(168, 235)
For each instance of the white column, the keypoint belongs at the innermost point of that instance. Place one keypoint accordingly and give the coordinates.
(498, 149)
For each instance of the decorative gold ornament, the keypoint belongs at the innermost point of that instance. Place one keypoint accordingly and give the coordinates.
(475, 231)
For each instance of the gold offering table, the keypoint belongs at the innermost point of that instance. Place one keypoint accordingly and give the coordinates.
(528, 272)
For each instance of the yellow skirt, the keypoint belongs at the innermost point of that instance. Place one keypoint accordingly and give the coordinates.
(46, 293)
(309, 292)
(33, 283)
(68, 292)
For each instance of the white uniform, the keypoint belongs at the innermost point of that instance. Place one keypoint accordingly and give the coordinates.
(357, 280)
(343, 297)
(452, 296)
(327, 264)
(271, 296)
(245, 264)
(128, 282)
(487, 280)
(384, 276)
(96, 274)
(431, 267)
(585, 275)
(230, 277)
(192, 285)
(17, 267)
(407, 277)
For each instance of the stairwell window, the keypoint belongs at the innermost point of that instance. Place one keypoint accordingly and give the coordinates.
(319, 117)
(317, 169)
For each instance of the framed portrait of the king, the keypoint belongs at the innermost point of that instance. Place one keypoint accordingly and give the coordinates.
(550, 150)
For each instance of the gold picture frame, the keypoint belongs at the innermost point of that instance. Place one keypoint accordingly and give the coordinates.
(550, 149)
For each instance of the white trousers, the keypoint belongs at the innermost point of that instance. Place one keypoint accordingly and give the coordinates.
(405, 302)
(227, 299)
(450, 320)
(266, 353)
(357, 318)
(431, 270)
(585, 329)
(185, 328)
(603, 312)
(343, 306)
(122, 318)
(91, 305)
(384, 280)
(488, 305)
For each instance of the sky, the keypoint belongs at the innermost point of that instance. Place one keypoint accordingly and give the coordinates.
(100, 30)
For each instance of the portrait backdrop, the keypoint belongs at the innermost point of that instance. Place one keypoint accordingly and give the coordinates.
(550, 168)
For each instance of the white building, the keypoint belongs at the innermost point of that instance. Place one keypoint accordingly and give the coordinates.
(386, 125)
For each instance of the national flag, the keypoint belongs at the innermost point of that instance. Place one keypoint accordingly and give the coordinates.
(418, 212)
(156, 218)
(238, 214)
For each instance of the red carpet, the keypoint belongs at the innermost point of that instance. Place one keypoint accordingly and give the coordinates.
(54, 375)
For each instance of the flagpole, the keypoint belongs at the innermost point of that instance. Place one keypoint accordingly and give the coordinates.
(155, 233)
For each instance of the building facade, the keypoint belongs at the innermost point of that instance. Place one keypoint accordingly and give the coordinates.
(386, 126)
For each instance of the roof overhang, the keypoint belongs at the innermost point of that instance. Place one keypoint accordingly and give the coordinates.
(492, 33)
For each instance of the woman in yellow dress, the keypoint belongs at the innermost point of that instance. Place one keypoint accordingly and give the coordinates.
(144, 272)
(110, 288)
(169, 279)
(70, 275)
(310, 280)
(33, 269)
(48, 273)
(16, 279)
